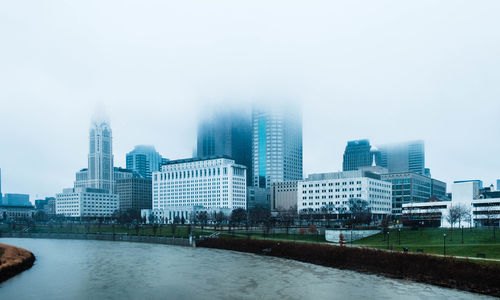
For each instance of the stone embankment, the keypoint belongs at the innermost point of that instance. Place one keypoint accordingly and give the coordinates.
(101, 237)
(13, 261)
(448, 272)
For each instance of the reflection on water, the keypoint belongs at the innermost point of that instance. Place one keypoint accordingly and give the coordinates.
(74, 269)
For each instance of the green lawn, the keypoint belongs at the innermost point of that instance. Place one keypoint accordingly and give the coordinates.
(431, 240)
(280, 237)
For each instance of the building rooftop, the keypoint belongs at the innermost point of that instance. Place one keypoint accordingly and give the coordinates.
(188, 160)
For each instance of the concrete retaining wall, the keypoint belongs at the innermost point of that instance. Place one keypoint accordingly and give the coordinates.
(103, 237)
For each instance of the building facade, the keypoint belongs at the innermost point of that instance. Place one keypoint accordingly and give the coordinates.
(408, 187)
(482, 208)
(217, 183)
(227, 134)
(144, 160)
(357, 154)
(276, 145)
(258, 197)
(135, 193)
(403, 157)
(16, 213)
(86, 202)
(284, 195)
(320, 192)
(16, 199)
(100, 170)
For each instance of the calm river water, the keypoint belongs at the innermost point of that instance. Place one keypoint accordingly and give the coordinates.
(74, 269)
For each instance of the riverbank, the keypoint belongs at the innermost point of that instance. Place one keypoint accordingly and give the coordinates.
(100, 237)
(13, 261)
(446, 272)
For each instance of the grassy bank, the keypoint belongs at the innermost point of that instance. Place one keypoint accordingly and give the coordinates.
(13, 261)
(431, 240)
(446, 272)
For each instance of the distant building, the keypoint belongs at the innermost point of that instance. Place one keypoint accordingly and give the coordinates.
(179, 214)
(135, 193)
(258, 197)
(16, 199)
(483, 207)
(408, 187)
(357, 154)
(498, 184)
(47, 205)
(403, 157)
(276, 145)
(217, 183)
(16, 213)
(476, 183)
(144, 160)
(86, 202)
(227, 134)
(331, 192)
(81, 178)
(284, 195)
(100, 170)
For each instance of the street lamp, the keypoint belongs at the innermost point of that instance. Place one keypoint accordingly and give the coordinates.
(399, 236)
(388, 238)
(444, 244)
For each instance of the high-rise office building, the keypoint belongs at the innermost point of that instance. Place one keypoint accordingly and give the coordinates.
(357, 154)
(229, 134)
(276, 145)
(100, 171)
(403, 157)
(145, 160)
(135, 193)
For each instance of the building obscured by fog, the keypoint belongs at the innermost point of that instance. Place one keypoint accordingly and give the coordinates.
(403, 157)
(227, 133)
(276, 145)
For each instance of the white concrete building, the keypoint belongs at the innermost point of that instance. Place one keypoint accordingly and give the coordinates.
(86, 202)
(483, 206)
(333, 190)
(167, 215)
(215, 183)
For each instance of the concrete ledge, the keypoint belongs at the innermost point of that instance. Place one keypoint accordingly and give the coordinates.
(101, 237)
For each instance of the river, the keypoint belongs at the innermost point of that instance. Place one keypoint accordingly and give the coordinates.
(84, 269)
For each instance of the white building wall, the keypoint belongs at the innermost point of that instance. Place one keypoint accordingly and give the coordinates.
(337, 192)
(215, 183)
(83, 203)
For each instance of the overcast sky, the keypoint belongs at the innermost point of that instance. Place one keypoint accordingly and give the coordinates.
(385, 70)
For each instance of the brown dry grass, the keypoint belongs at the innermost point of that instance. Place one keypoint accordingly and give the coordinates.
(14, 260)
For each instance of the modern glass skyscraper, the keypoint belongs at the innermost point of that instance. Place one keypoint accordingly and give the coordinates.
(277, 145)
(403, 157)
(357, 154)
(100, 171)
(144, 160)
(229, 134)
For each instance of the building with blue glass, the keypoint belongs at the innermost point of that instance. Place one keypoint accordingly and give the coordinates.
(357, 154)
(227, 133)
(144, 160)
(403, 157)
(276, 145)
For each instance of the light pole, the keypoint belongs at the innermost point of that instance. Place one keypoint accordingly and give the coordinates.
(388, 238)
(399, 236)
(444, 244)
(462, 234)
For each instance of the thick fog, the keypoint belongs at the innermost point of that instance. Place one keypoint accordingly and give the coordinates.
(388, 71)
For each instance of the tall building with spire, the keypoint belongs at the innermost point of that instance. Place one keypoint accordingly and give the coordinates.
(100, 171)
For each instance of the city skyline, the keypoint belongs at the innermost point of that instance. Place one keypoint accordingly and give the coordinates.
(356, 74)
